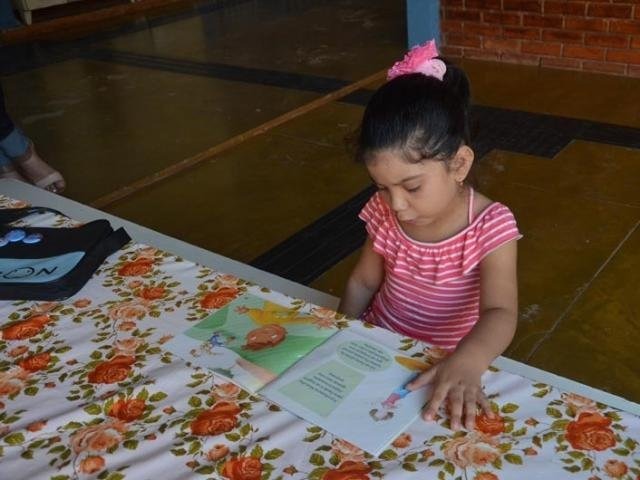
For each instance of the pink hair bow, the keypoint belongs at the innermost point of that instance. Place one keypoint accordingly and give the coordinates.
(420, 59)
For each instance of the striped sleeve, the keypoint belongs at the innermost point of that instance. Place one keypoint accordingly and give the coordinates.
(373, 214)
(495, 229)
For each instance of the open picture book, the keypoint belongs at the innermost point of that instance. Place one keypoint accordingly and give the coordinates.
(342, 380)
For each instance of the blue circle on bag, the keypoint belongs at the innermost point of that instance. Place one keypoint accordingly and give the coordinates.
(15, 235)
(33, 238)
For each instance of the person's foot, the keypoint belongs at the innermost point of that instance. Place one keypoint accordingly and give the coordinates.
(8, 171)
(39, 172)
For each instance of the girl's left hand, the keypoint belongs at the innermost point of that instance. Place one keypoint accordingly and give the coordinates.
(456, 378)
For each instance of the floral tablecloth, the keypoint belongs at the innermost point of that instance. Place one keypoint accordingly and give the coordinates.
(88, 390)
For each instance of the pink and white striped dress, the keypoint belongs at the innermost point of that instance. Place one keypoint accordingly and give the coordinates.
(431, 291)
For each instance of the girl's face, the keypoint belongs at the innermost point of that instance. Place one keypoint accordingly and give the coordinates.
(419, 193)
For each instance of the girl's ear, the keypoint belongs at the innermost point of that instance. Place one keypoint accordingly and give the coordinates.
(462, 162)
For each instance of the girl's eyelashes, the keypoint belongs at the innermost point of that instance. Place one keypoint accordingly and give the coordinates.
(410, 190)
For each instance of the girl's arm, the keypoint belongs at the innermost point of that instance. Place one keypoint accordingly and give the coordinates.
(363, 282)
(498, 307)
(458, 376)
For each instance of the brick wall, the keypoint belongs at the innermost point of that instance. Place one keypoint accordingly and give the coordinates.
(598, 36)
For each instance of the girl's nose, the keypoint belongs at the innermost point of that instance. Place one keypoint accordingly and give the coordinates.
(398, 203)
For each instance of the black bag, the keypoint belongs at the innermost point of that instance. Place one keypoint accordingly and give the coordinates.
(51, 263)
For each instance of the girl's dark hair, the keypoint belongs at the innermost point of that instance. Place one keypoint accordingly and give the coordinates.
(425, 117)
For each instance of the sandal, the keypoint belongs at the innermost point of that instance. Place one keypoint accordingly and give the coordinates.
(39, 172)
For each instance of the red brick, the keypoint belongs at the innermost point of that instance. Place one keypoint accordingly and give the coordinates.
(483, 4)
(520, 59)
(588, 24)
(585, 53)
(463, 15)
(501, 45)
(562, 35)
(462, 40)
(604, 40)
(562, 7)
(608, 10)
(542, 21)
(451, 3)
(542, 48)
(451, 52)
(567, 63)
(523, 5)
(521, 32)
(635, 43)
(624, 26)
(480, 54)
(482, 29)
(633, 71)
(604, 67)
(502, 18)
(451, 26)
(624, 56)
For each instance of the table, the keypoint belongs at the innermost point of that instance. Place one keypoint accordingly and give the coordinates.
(88, 390)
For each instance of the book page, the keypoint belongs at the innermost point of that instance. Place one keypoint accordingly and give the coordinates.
(251, 340)
(353, 387)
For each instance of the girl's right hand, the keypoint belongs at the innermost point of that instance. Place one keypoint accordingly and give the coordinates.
(456, 379)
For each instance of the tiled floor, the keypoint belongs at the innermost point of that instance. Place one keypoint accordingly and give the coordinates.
(125, 104)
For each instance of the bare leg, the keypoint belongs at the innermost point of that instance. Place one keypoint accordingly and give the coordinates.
(8, 171)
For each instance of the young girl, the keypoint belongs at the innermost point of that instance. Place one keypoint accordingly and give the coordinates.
(439, 263)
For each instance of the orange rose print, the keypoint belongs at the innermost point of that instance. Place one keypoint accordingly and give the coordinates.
(82, 303)
(226, 391)
(471, 450)
(348, 471)
(17, 351)
(24, 328)
(615, 468)
(243, 468)
(97, 438)
(217, 452)
(485, 476)
(489, 425)
(219, 298)
(112, 371)
(126, 326)
(590, 432)
(219, 419)
(128, 311)
(347, 451)
(578, 404)
(44, 307)
(265, 337)
(36, 426)
(427, 454)
(12, 381)
(127, 410)
(402, 441)
(36, 362)
(127, 346)
(152, 293)
(92, 464)
(136, 268)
